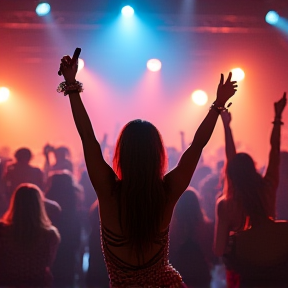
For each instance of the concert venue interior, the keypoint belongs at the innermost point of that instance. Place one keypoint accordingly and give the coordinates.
(190, 43)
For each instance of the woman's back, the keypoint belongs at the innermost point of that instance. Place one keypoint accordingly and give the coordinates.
(109, 215)
(122, 260)
(27, 265)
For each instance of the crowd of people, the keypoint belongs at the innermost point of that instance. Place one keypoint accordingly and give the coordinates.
(147, 220)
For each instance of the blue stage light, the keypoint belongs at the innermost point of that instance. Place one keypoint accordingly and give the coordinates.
(43, 9)
(127, 11)
(272, 17)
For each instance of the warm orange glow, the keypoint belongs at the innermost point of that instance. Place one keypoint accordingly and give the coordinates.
(4, 94)
(199, 97)
(237, 74)
(154, 65)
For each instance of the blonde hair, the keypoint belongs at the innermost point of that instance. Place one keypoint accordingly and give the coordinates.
(26, 214)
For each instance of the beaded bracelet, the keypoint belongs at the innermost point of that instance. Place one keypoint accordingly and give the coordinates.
(218, 109)
(277, 121)
(69, 88)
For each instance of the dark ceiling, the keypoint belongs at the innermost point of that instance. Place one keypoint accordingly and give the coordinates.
(220, 13)
(21, 29)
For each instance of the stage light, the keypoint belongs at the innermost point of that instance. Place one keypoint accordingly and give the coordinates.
(80, 64)
(199, 97)
(127, 11)
(237, 74)
(154, 65)
(272, 17)
(4, 94)
(43, 9)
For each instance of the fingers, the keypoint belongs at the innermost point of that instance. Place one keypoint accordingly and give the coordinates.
(221, 79)
(229, 78)
(66, 60)
(283, 99)
(65, 63)
(75, 55)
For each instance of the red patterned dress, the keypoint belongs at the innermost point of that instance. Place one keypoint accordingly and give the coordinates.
(156, 273)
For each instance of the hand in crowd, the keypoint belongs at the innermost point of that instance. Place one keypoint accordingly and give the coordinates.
(226, 117)
(47, 149)
(68, 68)
(280, 105)
(225, 90)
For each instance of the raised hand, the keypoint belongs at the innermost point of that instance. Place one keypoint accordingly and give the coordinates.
(226, 117)
(47, 148)
(68, 68)
(280, 105)
(225, 90)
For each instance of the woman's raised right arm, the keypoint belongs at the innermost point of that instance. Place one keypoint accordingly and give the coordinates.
(101, 174)
(179, 178)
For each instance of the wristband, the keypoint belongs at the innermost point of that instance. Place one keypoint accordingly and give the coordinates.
(69, 88)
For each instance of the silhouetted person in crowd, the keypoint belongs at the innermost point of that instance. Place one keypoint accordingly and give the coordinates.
(22, 172)
(28, 241)
(173, 157)
(282, 191)
(136, 198)
(89, 193)
(210, 188)
(201, 172)
(89, 197)
(62, 159)
(53, 210)
(191, 241)
(63, 191)
(249, 202)
(97, 275)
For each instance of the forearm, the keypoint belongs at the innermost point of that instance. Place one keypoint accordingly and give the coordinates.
(274, 155)
(180, 177)
(229, 142)
(80, 116)
(276, 133)
(272, 172)
(47, 163)
(204, 132)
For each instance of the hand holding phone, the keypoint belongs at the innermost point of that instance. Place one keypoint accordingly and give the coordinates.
(75, 57)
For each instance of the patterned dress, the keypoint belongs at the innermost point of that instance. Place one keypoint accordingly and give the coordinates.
(156, 273)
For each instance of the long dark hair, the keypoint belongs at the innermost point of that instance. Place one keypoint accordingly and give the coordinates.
(189, 214)
(26, 214)
(140, 163)
(246, 185)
